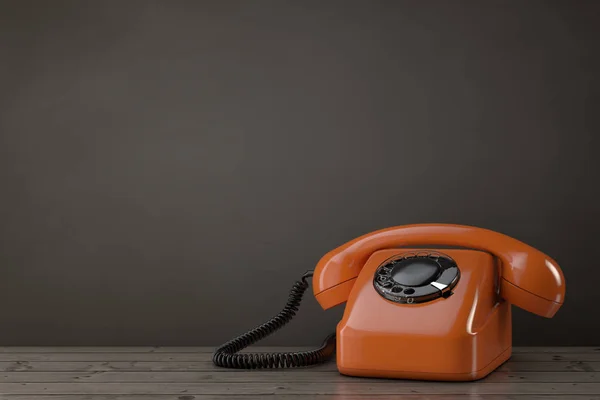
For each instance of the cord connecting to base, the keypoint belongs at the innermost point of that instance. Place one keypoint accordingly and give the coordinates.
(227, 355)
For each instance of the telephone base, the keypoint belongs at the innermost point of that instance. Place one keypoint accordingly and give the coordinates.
(462, 337)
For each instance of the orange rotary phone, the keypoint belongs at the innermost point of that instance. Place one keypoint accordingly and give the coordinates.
(417, 313)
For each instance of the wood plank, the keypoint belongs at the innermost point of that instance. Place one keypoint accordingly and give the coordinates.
(157, 357)
(187, 373)
(270, 377)
(96, 349)
(380, 387)
(141, 349)
(207, 366)
(149, 366)
(209, 349)
(563, 349)
(206, 357)
(299, 397)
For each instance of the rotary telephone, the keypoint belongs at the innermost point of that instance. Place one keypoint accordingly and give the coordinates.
(440, 313)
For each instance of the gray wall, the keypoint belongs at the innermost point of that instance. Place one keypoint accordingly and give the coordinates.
(169, 169)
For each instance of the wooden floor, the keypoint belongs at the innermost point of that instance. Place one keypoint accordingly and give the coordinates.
(176, 373)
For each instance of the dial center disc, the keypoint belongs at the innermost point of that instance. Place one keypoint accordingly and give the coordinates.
(415, 272)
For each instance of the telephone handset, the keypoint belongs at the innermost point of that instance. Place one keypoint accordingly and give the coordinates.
(434, 313)
(529, 279)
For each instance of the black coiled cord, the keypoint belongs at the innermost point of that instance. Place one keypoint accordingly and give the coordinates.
(225, 355)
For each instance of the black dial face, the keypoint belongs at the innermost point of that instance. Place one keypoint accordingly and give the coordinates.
(416, 277)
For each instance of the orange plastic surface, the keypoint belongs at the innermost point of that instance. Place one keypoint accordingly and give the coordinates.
(330, 298)
(461, 338)
(533, 280)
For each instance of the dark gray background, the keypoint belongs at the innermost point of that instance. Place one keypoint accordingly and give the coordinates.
(169, 169)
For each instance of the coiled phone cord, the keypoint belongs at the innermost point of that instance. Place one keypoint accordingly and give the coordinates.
(225, 355)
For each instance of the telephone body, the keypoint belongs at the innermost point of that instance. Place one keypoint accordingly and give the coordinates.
(427, 301)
